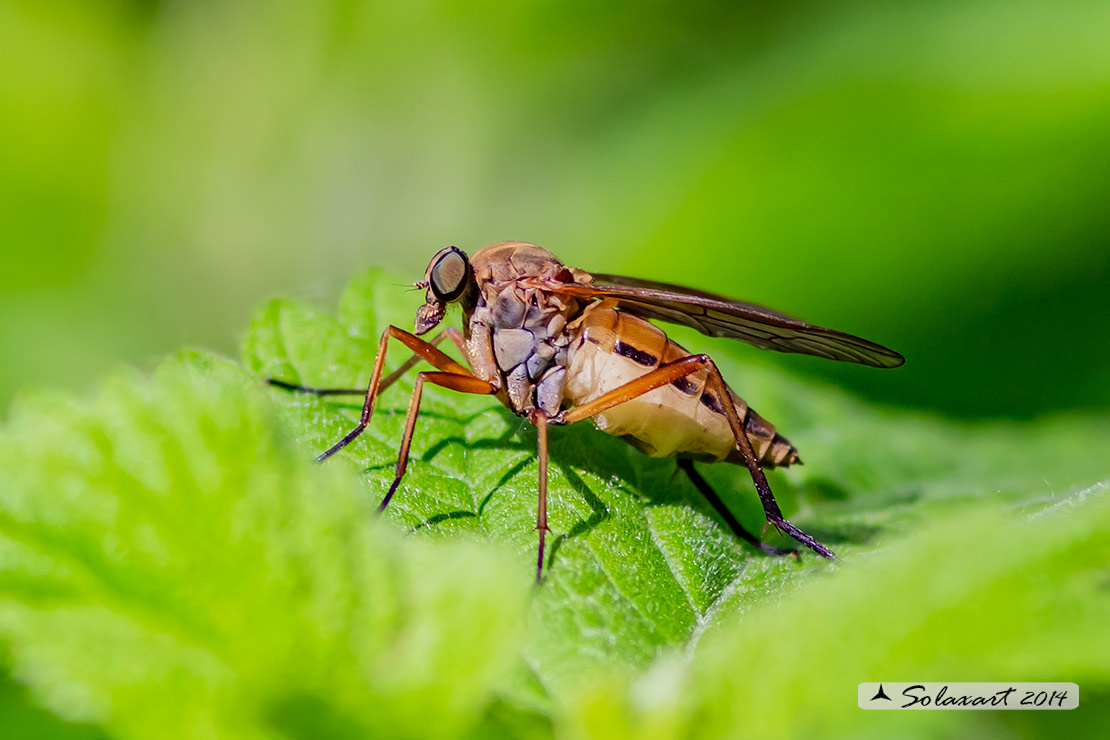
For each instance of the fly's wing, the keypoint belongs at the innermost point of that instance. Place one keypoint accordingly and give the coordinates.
(718, 316)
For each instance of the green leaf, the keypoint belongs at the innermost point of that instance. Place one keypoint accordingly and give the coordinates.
(172, 565)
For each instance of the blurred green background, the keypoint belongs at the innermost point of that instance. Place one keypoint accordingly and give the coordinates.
(934, 176)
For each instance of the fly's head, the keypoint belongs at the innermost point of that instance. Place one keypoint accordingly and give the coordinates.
(448, 279)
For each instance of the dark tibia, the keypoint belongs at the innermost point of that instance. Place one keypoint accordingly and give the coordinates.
(687, 466)
(316, 391)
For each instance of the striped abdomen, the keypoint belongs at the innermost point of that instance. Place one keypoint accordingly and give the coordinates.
(684, 418)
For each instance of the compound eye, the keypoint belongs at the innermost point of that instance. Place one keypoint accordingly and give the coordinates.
(448, 275)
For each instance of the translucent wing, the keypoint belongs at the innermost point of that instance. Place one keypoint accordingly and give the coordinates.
(718, 316)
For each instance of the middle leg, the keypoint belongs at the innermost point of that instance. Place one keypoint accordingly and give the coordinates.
(538, 417)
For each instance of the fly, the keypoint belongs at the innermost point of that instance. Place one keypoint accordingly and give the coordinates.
(558, 345)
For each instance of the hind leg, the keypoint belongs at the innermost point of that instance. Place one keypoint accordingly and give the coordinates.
(700, 483)
(670, 372)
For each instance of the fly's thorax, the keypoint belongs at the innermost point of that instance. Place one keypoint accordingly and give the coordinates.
(518, 328)
(503, 262)
(526, 329)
